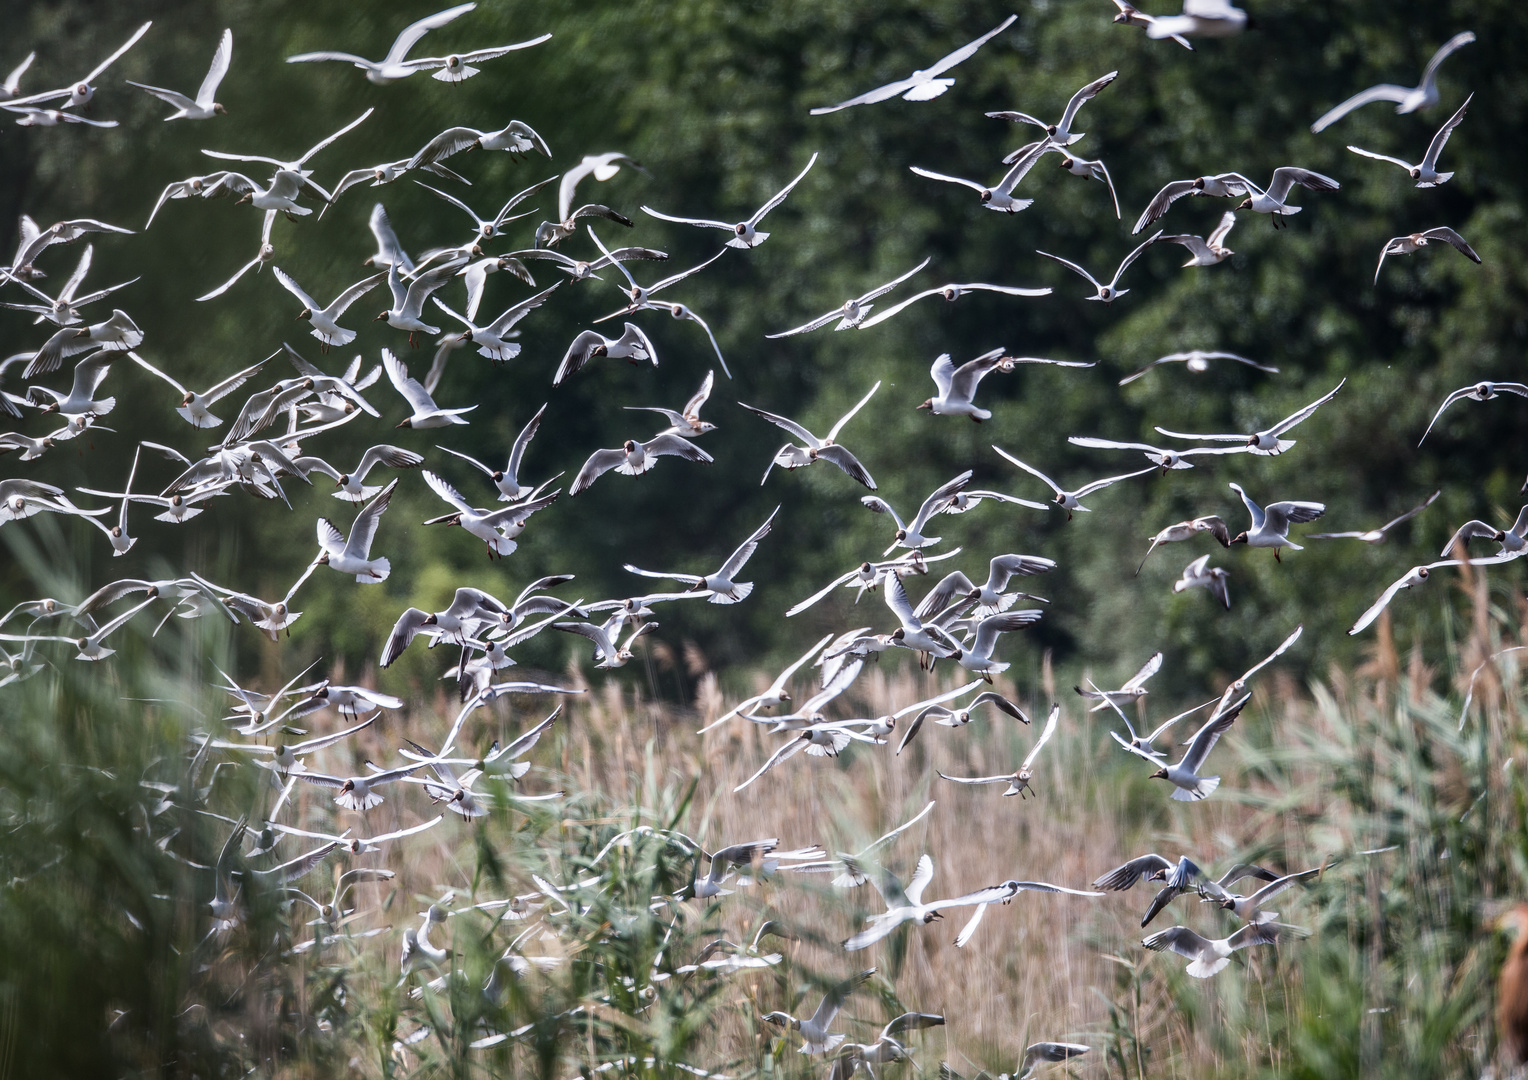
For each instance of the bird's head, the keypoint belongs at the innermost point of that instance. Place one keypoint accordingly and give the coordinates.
(1105, 293)
(866, 567)
(901, 534)
(931, 916)
(950, 292)
(1416, 174)
(1228, 904)
(986, 197)
(431, 619)
(218, 108)
(929, 404)
(382, 316)
(741, 228)
(974, 594)
(347, 786)
(1066, 161)
(1160, 774)
(1239, 538)
(488, 232)
(786, 698)
(600, 350)
(190, 397)
(629, 446)
(323, 559)
(898, 634)
(407, 421)
(1245, 204)
(1482, 390)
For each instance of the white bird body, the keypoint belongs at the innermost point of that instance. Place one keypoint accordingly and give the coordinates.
(353, 556)
(1059, 134)
(722, 586)
(393, 66)
(827, 448)
(923, 84)
(746, 234)
(1267, 441)
(1414, 242)
(1270, 524)
(202, 107)
(1200, 575)
(1407, 99)
(1200, 18)
(1425, 172)
(853, 311)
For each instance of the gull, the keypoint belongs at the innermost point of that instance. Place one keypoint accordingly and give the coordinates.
(634, 458)
(408, 300)
(81, 92)
(264, 254)
(815, 1036)
(33, 117)
(608, 651)
(640, 298)
(11, 88)
(1036, 1054)
(35, 241)
(1146, 744)
(913, 633)
(93, 646)
(1270, 524)
(746, 234)
(1240, 684)
(1184, 776)
(498, 529)
(977, 656)
(1202, 18)
(910, 535)
(1267, 441)
(950, 293)
(1407, 98)
(886, 1049)
(1000, 195)
(1378, 536)
(1199, 574)
(202, 107)
(1133, 690)
(853, 311)
(1197, 361)
(1272, 199)
(721, 586)
(1071, 500)
(1003, 894)
(867, 576)
(296, 166)
(325, 320)
(389, 250)
(924, 84)
(515, 138)
(356, 845)
(458, 66)
(990, 597)
(1163, 459)
(1425, 172)
(121, 542)
(775, 696)
(192, 186)
(633, 345)
(507, 479)
(1060, 134)
(386, 173)
(490, 228)
(1511, 540)
(687, 423)
(31, 448)
(1095, 170)
(271, 618)
(81, 399)
(1408, 245)
(1179, 878)
(957, 385)
(791, 456)
(359, 792)
(1210, 956)
(280, 193)
(194, 407)
(64, 310)
(740, 855)
(352, 485)
(351, 700)
(1018, 781)
(1110, 292)
(1249, 909)
(959, 717)
(850, 868)
(287, 758)
(1187, 530)
(1228, 185)
(583, 270)
(475, 276)
(1206, 250)
(491, 339)
(904, 904)
(601, 166)
(353, 556)
(115, 334)
(1417, 575)
(391, 67)
(1481, 391)
(426, 414)
(1130, 15)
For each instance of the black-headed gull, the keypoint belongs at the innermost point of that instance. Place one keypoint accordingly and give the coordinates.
(977, 655)
(1133, 690)
(687, 423)
(1184, 776)
(1200, 18)
(1417, 575)
(1018, 781)
(280, 193)
(1162, 458)
(64, 309)
(867, 576)
(202, 107)
(634, 458)
(1071, 500)
(425, 413)
(1407, 98)
(1378, 536)
(1209, 956)
(1110, 292)
(11, 88)
(352, 484)
(353, 556)
(1267, 441)
(1273, 199)
(914, 633)
(745, 234)
(81, 399)
(359, 792)
(408, 299)
(601, 166)
(910, 534)
(1408, 245)
(609, 650)
(507, 479)
(1512, 540)
(117, 535)
(386, 173)
(498, 529)
(946, 717)
(469, 611)
(299, 164)
(639, 297)
(774, 696)
(957, 385)
(116, 334)
(904, 904)
(924, 84)
(263, 254)
(633, 345)
(1003, 893)
(391, 67)
(1200, 575)
(1130, 15)
(999, 196)
(1196, 361)
(80, 92)
(492, 339)
(791, 456)
(1249, 908)
(1425, 172)
(585, 269)
(34, 241)
(722, 586)
(490, 228)
(1187, 530)
(853, 311)
(990, 596)
(551, 233)
(34, 117)
(515, 138)
(1179, 877)
(195, 408)
(950, 293)
(1270, 524)
(1206, 250)
(1092, 170)
(458, 66)
(1481, 391)
(1060, 134)
(815, 1036)
(1220, 186)
(325, 320)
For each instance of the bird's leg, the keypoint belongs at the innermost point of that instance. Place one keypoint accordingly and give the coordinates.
(1276, 557)
(413, 339)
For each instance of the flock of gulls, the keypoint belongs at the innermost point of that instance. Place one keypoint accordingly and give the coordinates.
(271, 438)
